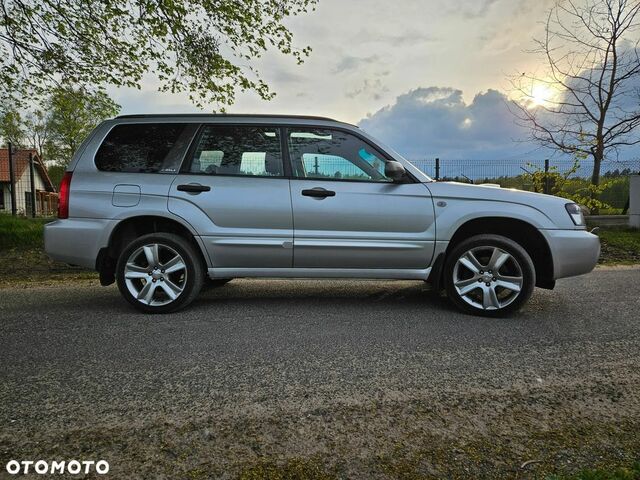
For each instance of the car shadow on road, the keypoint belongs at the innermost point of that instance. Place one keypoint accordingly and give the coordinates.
(322, 294)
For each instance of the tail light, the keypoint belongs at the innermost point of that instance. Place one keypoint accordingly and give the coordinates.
(63, 198)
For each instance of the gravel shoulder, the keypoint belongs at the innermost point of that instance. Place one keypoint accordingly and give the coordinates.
(328, 379)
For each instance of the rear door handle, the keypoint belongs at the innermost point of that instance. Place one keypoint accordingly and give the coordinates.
(193, 188)
(318, 193)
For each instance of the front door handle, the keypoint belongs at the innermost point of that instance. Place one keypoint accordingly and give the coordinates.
(193, 188)
(318, 193)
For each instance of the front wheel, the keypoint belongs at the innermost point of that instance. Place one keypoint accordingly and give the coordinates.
(489, 275)
(159, 273)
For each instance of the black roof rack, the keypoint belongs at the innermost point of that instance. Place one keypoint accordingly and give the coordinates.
(229, 115)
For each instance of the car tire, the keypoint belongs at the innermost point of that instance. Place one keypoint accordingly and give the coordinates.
(159, 273)
(476, 286)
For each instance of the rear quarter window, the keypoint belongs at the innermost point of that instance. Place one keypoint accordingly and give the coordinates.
(145, 147)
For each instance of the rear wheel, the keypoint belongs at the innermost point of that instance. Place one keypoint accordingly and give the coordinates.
(489, 275)
(159, 273)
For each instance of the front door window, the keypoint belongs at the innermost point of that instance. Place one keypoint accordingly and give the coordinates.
(334, 155)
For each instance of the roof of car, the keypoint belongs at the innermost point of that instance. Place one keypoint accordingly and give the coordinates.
(246, 116)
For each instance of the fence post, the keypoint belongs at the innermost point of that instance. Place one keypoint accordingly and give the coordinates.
(12, 181)
(33, 185)
(547, 187)
(437, 169)
(634, 201)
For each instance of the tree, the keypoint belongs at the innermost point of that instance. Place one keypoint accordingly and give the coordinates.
(11, 125)
(592, 60)
(58, 126)
(71, 115)
(37, 130)
(203, 47)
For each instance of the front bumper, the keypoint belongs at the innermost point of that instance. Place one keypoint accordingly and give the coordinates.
(77, 241)
(574, 252)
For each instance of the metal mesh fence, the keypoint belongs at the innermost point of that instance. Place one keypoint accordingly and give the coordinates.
(26, 179)
(513, 174)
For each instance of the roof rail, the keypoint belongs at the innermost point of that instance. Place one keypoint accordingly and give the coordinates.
(229, 115)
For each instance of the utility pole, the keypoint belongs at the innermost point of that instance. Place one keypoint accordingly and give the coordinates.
(12, 181)
(33, 185)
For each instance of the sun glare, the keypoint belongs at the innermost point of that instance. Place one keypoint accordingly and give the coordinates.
(540, 95)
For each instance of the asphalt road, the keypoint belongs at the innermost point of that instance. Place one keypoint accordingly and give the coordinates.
(356, 375)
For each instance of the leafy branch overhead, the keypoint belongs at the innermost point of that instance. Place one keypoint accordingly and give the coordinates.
(205, 48)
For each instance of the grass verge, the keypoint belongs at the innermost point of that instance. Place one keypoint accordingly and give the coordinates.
(21, 232)
(619, 246)
(22, 257)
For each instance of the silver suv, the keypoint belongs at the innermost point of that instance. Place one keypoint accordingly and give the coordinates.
(163, 204)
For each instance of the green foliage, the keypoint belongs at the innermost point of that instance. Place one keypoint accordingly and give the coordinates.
(57, 128)
(55, 174)
(71, 115)
(202, 47)
(11, 125)
(561, 185)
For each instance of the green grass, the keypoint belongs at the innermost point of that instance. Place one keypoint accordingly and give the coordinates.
(631, 473)
(21, 232)
(22, 256)
(619, 245)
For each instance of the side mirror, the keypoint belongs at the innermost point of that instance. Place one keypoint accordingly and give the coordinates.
(394, 170)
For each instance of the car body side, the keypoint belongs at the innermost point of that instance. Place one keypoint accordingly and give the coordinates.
(105, 206)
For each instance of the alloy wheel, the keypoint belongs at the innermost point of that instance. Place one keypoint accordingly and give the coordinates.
(155, 274)
(488, 278)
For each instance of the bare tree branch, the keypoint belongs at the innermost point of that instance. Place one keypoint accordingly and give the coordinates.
(592, 57)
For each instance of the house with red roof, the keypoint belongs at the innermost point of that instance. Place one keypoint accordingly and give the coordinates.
(45, 190)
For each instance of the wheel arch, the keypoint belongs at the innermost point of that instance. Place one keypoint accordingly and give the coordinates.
(520, 231)
(133, 227)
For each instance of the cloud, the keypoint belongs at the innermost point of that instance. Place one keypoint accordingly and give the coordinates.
(373, 88)
(472, 9)
(411, 37)
(350, 63)
(436, 122)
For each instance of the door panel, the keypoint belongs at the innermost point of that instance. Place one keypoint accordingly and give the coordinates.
(234, 190)
(347, 213)
(246, 223)
(364, 225)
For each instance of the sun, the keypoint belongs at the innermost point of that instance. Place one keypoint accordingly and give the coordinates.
(540, 95)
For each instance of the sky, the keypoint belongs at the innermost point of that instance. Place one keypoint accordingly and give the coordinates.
(429, 78)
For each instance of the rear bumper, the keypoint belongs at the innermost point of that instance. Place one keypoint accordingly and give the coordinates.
(574, 252)
(77, 241)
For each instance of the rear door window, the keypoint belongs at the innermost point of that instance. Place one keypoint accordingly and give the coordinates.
(238, 150)
(145, 147)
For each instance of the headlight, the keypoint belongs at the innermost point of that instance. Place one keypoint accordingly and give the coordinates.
(575, 212)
